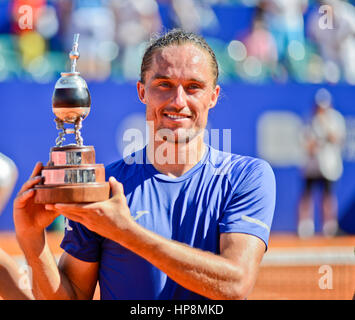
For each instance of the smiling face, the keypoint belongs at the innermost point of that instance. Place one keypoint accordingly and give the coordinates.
(178, 91)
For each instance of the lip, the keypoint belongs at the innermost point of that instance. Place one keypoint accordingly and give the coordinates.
(177, 117)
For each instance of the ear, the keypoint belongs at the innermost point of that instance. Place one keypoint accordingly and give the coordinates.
(215, 95)
(141, 91)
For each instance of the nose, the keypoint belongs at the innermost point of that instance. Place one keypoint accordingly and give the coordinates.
(180, 98)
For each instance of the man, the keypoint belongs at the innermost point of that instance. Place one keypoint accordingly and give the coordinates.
(185, 221)
(323, 142)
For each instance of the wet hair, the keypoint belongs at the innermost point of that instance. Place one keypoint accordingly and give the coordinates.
(177, 37)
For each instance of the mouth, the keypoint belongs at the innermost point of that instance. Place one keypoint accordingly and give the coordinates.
(177, 116)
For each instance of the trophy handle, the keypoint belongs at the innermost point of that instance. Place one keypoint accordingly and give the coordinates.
(60, 126)
(77, 127)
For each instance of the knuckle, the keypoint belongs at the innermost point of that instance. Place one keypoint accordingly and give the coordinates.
(99, 211)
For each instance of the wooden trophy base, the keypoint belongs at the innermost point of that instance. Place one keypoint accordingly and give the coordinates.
(72, 176)
(72, 193)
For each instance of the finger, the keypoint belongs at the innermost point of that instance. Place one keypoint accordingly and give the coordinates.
(71, 207)
(82, 211)
(37, 169)
(30, 183)
(73, 217)
(116, 187)
(49, 207)
(21, 199)
(53, 213)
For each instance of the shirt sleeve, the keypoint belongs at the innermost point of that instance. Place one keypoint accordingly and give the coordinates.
(80, 242)
(251, 206)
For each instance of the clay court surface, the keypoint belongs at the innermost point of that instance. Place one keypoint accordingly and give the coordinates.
(292, 269)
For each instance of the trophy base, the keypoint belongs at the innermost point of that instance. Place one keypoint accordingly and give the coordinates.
(75, 193)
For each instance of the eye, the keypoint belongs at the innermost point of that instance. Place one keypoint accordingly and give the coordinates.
(164, 84)
(193, 86)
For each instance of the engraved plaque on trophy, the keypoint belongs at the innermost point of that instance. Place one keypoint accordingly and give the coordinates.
(71, 175)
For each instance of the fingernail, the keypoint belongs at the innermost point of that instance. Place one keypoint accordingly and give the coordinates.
(39, 178)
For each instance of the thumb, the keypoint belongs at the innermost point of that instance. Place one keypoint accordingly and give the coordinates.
(116, 187)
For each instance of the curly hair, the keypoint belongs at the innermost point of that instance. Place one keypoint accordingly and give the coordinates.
(177, 37)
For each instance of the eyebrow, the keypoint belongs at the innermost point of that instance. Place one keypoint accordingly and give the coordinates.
(158, 76)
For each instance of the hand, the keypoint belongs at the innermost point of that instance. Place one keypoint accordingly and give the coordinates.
(111, 218)
(29, 217)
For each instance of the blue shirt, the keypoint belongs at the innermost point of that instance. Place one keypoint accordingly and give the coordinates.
(222, 193)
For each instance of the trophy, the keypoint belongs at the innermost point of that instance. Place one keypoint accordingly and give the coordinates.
(71, 175)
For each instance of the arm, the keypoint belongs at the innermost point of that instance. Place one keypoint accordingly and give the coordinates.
(72, 279)
(10, 279)
(229, 275)
(49, 282)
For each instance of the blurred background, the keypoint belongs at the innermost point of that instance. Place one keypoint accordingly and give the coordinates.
(287, 77)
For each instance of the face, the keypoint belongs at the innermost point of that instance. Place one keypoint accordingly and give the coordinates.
(178, 92)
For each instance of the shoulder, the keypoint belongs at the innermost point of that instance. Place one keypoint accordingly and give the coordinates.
(241, 169)
(338, 116)
(336, 113)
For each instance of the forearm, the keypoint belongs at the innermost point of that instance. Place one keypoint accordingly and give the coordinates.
(10, 280)
(203, 272)
(47, 280)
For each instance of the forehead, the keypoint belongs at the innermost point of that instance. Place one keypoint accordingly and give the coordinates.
(182, 61)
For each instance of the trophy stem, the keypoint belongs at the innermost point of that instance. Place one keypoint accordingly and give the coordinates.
(78, 137)
(77, 126)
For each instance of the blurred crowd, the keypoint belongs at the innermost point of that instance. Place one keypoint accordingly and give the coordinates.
(282, 40)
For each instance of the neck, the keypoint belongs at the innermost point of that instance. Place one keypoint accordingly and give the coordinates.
(174, 159)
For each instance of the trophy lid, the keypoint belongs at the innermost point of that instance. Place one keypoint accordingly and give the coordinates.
(72, 78)
(74, 53)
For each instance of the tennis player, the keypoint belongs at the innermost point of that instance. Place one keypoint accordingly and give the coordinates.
(184, 221)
